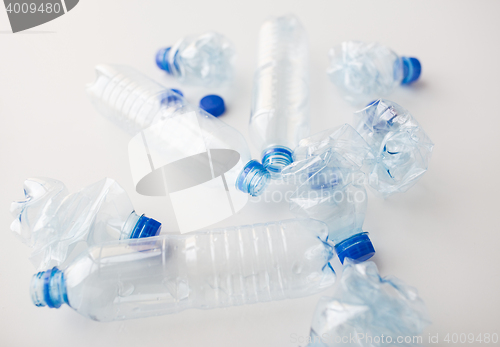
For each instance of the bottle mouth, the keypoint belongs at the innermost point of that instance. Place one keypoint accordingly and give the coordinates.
(275, 158)
(411, 70)
(253, 179)
(138, 227)
(357, 247)
(48, 288)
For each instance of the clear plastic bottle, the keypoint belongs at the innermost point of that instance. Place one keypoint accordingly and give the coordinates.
(204, 270)
(204, 60)
(366, 71)
(180, 130)
(55, 223)
(280, 102)
(401, 150)
(368, 310)
(330, 188)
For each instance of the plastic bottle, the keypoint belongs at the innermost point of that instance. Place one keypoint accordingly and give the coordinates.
(57, 224)
(280, 102)
(366, 71)
(330, 188)
(369, 310)
(400, 148)
(204, 270)
(180, 130)
(205, 60)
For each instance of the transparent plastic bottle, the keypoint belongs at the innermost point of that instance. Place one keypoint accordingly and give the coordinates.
(204, 60)
(366, 71)
(56, 224)
(330, 188)
(280, 102)
(204, 270)
(135, 102)
(368, 310)
(400, 148)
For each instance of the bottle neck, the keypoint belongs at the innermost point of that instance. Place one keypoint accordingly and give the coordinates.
(48, 288)
(253, 179)
(139, 227)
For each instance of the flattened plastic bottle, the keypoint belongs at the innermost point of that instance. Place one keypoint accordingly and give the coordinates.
(366, 71)
(330, 188)
(56, 224)
(204, 270)
(205, 60)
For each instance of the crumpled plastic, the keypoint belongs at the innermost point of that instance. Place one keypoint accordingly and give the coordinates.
(53, 222)
(367, 310)
(400, 149)
(330, 184)
(364, 71)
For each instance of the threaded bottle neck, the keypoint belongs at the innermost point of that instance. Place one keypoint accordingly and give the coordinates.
(275, 158)
(137, 227)
(253, 179)
(48, 288)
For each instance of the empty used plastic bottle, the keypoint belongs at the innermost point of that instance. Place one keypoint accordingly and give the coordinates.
(280, 102)
(205, 60)
(366, 71)
(175, 128)
(400, 148)
(55, 223)
(330, 188)
(368, 310)
(204, 270)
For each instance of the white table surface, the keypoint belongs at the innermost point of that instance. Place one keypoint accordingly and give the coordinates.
(441, 236)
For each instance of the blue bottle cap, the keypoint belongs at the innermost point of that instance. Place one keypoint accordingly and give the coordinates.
(411, 70)
(145, 227)
(358, 248)
(162, 61)
(213, 104)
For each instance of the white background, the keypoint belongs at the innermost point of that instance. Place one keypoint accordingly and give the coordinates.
(442, 236)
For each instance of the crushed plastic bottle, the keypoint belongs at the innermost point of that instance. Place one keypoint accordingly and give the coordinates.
(401, 150)
(204, 270)
(174, 127)
(330, 188)
(366, 71)
(368, 310)
(55, 223)
(280, 100)
(205, 60)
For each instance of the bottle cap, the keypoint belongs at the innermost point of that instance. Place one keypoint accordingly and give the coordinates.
(411, 70)
(358, 248)
(145, 227)
(162, 61)
(213, 104)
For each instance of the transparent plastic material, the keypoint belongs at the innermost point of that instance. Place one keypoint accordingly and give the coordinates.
(401, 150)
(205, 60)
(368, 310)
(280, 102)
(330, 187)
(57, 224)
(366, 71)
(175, 129)
(204, 270)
